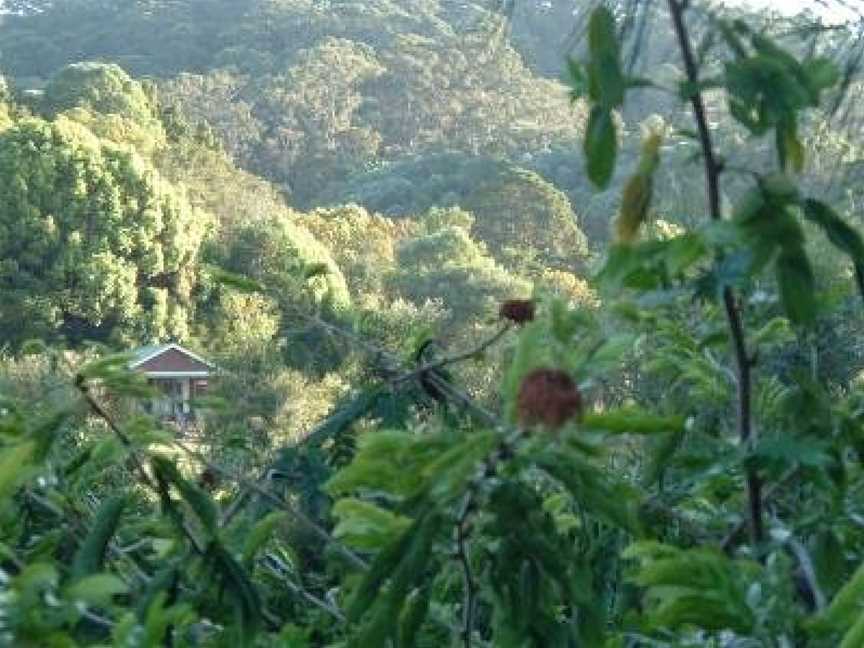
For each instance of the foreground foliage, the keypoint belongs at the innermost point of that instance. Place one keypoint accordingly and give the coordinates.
(672, 460)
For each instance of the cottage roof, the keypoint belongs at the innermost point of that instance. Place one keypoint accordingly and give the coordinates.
(147, 354)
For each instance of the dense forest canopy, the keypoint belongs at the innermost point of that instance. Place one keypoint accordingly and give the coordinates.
(530, 323)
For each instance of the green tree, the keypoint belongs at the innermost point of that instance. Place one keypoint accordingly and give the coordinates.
(512, 208)
(94, 244)
(447, 264)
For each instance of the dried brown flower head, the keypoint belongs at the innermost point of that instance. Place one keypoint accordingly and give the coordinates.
(208, 479)
(548, 397)
(518, 311)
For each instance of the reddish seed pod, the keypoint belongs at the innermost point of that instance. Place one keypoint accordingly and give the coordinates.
(517, 311)
(548, 397)
(208, 479)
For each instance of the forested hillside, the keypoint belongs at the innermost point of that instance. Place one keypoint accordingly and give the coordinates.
(531, 324)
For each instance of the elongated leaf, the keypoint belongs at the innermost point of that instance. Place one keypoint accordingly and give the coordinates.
(797, 285)
(842, 235)
(344, 415)
(96, 590)
(608, 83)
(261, 533)
(365, 525)
(162, 587)
(855, 637)
(600, 146)
(634, 421)
(88, 559)
(577, 79)
(383, 566)
(845, 608)
(235, 580)
(199, 501)
(415, 612)
(14, 466)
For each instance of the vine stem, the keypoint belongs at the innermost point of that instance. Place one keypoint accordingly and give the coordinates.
(743, 361)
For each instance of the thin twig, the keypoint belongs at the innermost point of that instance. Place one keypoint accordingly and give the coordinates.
(279, 503)
(743, 360)
(82, 386)
(280, 569)
(459, 357)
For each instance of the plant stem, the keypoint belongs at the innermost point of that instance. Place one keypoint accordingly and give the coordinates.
(469, 587)
(743, 361)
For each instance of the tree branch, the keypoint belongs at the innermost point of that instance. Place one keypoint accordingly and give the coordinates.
(298, 515)
(743, 360)
(82, 386)
(280, 569)
(455, 359)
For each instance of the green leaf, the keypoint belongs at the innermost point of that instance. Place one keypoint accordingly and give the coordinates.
(841, 235)
(855, 637)
(797, 285)
(790, 451)
(365, 525)
(416, 609)
(821, 74)
(91, 554)
(344, 414)
(384, 564)
(633, 420)
(775, 331)
(235, 580)
(600, 146)
(96, 590)
(35, 577)
(33, 347)
(14, 466)
(199, 501)
(608, 80)
(789, 148)
(261, 533)
(577, 79)
(405, 562)
(600, 496)
(845, 608)
(693, 587)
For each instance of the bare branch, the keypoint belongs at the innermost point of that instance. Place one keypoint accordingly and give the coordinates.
(743, 360)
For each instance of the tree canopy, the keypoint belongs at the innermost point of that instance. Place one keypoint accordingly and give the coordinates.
(94, 242)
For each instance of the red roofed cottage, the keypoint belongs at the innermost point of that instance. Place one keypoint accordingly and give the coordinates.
(178, 374)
